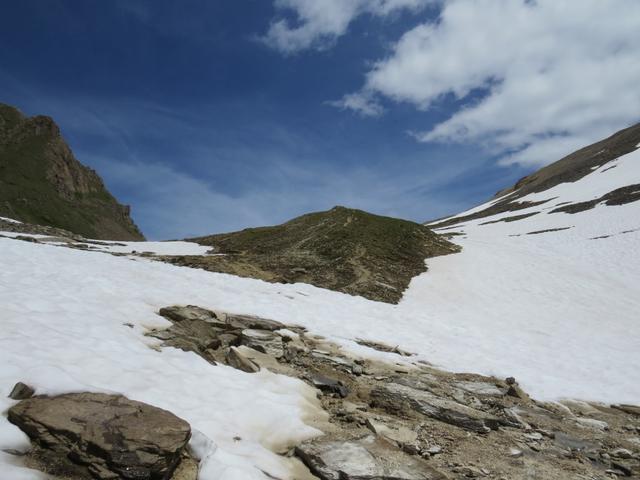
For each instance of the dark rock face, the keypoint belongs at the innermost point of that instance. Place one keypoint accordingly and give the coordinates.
(112, 436)
(329, 385)
(366, 458)
(42, 182)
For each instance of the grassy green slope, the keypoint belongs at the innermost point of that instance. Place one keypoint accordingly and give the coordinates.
(342, 249)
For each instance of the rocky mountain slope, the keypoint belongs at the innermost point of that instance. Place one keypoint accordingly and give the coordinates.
(42, 182)
(341, 249)
(570, 169)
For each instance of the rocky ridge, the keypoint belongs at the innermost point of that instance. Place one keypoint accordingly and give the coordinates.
(569, 169)
(42, 182)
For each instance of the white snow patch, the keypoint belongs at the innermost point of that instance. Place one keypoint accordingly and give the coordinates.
(62, 331)
(598, 183)
(158, 248)
(10, 220)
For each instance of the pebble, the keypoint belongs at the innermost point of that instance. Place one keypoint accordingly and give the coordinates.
(514, 452)
(434, 450)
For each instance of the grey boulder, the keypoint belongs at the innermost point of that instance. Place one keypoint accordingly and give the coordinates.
(112, 436)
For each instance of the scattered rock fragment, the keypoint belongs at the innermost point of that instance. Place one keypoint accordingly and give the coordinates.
(238, 360)
(397, 434)
(515, 452)
(362, 459)
(264, 341)
(329, 385)
(393, 395)
(592, 423)
(112, 436)
(21, 391)
(621, 453)
(383, 347)
(631, 409)
(481, 388)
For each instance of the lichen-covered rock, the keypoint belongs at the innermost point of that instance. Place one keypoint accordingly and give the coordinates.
(112, 436)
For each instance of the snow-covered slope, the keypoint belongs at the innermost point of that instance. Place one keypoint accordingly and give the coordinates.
(558, 310)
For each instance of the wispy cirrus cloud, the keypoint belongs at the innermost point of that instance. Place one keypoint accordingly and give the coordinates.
(318, 24)
(533, 80)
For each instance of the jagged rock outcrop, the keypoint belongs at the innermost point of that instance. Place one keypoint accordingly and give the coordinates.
(42, 182)
(110, 435)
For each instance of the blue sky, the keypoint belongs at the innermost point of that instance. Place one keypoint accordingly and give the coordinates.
(210, 116)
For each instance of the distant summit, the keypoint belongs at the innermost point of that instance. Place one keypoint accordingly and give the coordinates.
(341, 249)
(42, 182)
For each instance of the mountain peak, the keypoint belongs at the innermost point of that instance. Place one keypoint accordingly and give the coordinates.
(42, 182)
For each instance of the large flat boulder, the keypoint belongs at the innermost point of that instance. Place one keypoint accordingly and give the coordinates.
(114, 437)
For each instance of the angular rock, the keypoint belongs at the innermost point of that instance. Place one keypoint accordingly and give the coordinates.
(178, 313)
(592, 423)
(621, 453)
(226, 321)
(365, 458)
(631, 409)
(238, 360)
(392, 396)
(264, 341)
(329, 385)
(112, 436)
(255, 323)
(21, 391)
(398, 434)
(481, 388)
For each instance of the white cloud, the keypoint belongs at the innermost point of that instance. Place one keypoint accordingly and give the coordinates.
(536, 79)
(359, 102)
(320, 22)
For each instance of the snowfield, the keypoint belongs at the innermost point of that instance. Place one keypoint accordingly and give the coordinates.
(557, 310)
